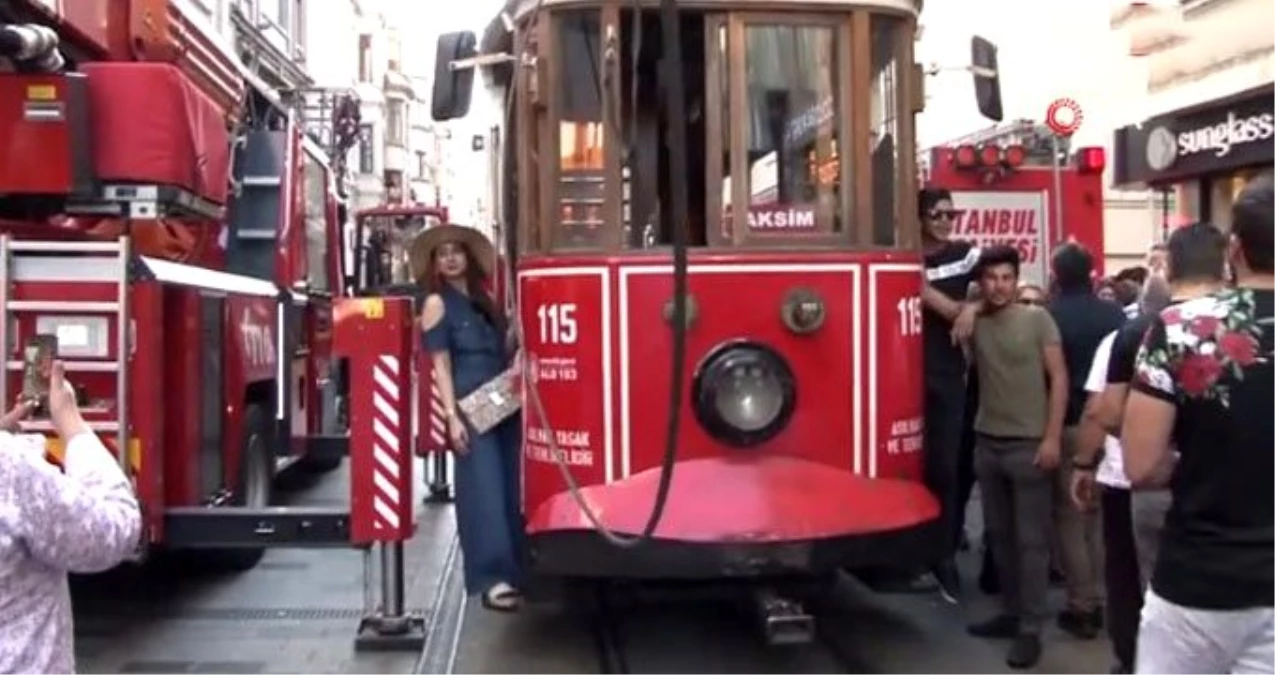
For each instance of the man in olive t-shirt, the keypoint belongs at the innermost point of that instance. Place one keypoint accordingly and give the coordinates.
(1023, 384)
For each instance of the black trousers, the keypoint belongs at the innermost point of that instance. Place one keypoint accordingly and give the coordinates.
(944, 416)
(1120, 569)
(965, 457)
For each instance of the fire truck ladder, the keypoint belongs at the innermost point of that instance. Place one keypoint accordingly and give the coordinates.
(48, 262)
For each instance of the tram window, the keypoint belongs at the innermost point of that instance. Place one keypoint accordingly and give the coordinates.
(792, 131)
(884, 129)
(646, 172)
(581, 193)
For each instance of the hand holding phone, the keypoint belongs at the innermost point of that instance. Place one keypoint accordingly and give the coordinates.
(37, 369)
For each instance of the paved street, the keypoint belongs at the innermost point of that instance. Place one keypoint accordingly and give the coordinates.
(298, 611)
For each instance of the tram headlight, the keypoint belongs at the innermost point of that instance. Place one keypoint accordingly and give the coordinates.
(743, 393)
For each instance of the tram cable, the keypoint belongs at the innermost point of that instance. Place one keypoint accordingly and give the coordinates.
(673, 83)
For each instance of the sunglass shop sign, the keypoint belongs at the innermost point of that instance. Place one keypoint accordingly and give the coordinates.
(1005, 218)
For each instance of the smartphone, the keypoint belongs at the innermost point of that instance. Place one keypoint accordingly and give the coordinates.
(37, 366)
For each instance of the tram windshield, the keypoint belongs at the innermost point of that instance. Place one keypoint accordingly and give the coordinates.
(385, 242)
(799, 129)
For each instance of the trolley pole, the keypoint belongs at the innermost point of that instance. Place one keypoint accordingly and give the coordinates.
(1058, 202)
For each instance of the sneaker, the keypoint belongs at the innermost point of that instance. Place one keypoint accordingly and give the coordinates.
(1000, 626)
(1024, 652)
(1081, 624)
(949, 581)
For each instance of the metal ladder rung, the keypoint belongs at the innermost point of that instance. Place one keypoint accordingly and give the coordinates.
(121, 248)
(61, 306)
(20, 246)
(78, 366)
(261, 181)
(45, 426)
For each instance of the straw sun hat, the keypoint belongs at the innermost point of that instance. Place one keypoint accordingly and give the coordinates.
(481, 251)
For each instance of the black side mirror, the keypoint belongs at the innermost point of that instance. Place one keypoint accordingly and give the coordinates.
(453, 89)
(987, 81)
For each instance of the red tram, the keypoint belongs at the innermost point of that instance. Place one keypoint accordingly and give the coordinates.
(799, 450)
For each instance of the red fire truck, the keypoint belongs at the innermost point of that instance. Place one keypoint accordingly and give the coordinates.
(167, 219)
(1009, 190)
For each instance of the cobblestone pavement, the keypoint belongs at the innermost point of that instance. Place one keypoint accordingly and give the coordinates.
(297, 611)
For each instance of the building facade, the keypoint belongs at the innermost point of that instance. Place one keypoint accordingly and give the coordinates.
(1209, 117)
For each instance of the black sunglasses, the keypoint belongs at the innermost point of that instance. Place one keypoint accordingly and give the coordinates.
(950, 214)
(1031, 301)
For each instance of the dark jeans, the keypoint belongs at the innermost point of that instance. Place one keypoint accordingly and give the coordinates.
(1120, 569)
(1018, 510)
(944, 415)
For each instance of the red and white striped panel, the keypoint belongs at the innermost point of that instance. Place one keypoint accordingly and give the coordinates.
(437, 417)
(387, 449)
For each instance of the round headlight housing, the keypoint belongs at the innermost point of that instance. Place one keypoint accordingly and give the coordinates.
(743, 393)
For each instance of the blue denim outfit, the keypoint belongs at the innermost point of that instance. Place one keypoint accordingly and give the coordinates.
(488, 509)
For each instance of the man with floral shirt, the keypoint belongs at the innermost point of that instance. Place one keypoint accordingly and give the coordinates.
(1204, 383)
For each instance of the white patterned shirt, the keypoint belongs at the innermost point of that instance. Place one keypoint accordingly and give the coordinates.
(83, 519)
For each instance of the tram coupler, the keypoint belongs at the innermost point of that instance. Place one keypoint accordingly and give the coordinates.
(783, 621)
(388, 626)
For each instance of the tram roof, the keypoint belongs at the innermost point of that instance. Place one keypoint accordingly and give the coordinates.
(496, 39)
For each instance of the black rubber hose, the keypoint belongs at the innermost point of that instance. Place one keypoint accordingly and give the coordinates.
(675, 126)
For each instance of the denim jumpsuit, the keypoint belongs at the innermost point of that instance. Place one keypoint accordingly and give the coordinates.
(488, 510)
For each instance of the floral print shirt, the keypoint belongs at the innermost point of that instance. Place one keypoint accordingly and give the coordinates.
(1211, 359)
(1199, 348)
(82, 518)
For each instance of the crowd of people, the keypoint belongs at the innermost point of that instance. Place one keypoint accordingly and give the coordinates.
(1121, 436)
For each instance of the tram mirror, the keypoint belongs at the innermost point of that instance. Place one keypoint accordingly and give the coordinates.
(987, 81)
(453, 85)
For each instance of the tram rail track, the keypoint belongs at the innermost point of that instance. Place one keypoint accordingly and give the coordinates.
(446, 620)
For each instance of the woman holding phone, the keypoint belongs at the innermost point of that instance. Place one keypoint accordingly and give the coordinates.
(82, 518)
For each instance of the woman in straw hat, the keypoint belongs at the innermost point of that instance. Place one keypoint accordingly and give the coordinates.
(465, 335)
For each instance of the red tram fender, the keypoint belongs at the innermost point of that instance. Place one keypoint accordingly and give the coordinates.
(766, 499)
(376, 335)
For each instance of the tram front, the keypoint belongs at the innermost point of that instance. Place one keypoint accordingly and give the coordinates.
(800, 446)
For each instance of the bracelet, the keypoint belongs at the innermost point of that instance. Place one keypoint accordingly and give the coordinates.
(1086, 466)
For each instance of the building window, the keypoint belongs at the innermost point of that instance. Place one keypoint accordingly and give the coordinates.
(422, 165)
(396, 123)
(394, 187)
(365, 58)
(367, 160)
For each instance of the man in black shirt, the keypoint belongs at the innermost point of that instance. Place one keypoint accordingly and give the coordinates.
(1084, 320)
(949, 266)
(1197, 259)
(1204, 384)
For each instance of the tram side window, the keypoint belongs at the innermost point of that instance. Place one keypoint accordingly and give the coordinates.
(581, 194)
(792, 131)
(646, 174)
(884, 129)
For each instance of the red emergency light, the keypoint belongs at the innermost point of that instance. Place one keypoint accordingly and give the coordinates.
(1091, 160)
(1015, 155)
(989, 156)
(966, 157)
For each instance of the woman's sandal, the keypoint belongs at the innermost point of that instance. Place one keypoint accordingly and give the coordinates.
(502, 598)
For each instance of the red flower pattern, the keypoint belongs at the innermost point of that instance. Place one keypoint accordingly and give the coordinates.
(1238, 348)
(1204, 326)
(1197, 373)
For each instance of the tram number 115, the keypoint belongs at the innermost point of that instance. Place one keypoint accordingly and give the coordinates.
(909, 309)
(557, 323)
